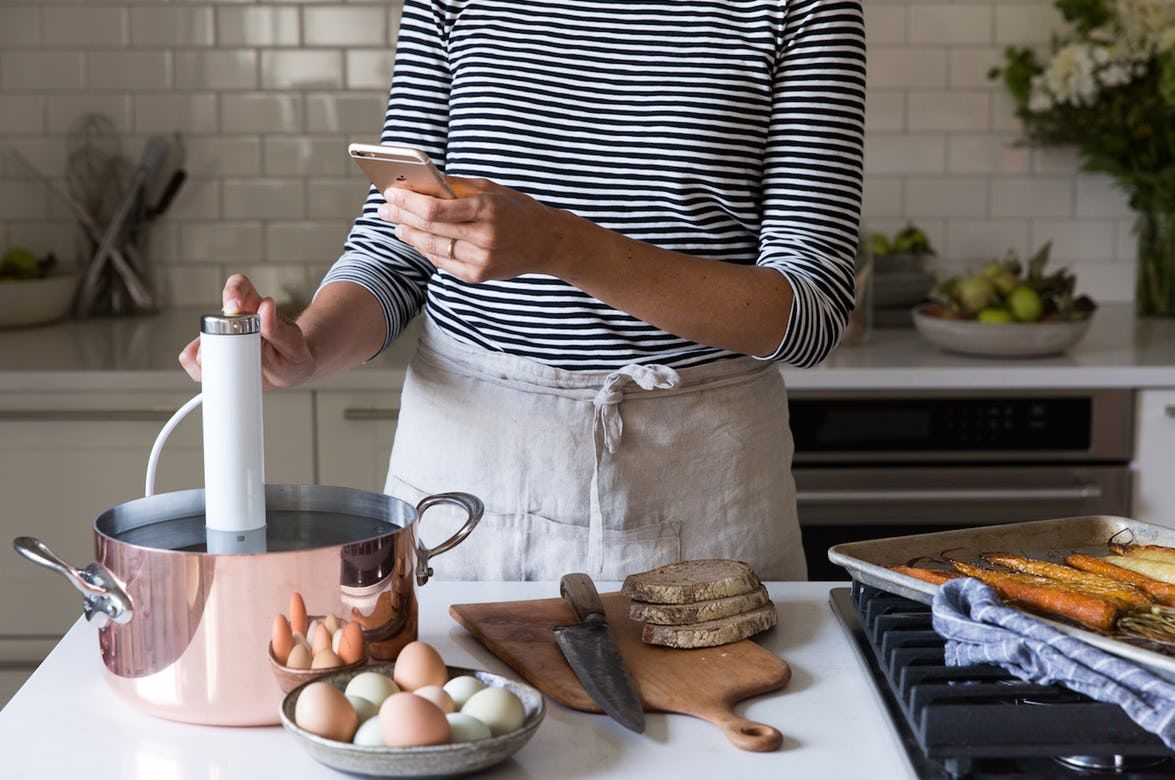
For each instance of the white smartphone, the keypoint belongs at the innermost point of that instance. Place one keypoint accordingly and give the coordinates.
(400, 166)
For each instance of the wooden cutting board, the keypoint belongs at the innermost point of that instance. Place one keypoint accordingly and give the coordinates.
(705, 683)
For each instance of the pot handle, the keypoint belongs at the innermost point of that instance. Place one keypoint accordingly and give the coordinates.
(103, 597)
(473, 508)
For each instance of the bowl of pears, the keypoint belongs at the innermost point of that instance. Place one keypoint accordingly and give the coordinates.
(1008, 309)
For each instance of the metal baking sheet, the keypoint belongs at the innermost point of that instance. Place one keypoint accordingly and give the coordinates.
(1048, 540)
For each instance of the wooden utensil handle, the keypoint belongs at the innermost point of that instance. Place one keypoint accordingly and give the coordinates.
(744, 734)
(580, 592)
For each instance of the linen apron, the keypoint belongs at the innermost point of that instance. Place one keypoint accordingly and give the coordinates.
(607, 472)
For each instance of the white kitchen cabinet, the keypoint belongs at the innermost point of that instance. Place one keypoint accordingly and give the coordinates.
(66, 457)
(1154, 457)
(355, 431)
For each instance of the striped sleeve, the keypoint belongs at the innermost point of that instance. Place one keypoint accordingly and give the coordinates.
(417, 115)
(813, 172)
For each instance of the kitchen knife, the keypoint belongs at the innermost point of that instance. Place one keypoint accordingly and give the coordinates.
(594, 656)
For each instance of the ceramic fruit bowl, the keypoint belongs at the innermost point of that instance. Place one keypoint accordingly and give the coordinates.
(457, 758)
(25, 302)
(999, 339)
(288, 679)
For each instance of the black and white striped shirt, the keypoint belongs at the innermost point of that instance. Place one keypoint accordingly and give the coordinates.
(731, 130)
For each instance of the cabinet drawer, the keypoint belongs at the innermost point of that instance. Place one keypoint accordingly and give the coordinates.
(1154, 488)
(355, 432)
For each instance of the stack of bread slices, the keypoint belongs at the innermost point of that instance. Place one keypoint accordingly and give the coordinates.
(699, 603)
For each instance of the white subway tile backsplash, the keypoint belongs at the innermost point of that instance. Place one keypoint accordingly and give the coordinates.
(221, 242)
(1106, 282)
(223, 70)
(907, 67)
(60, 238)
(343, 26)
(347, 112)
(946, 196)
(885, 111)
(983, 240)
(1003, 112)
(23, 199)
(905, 154)
(1076, 239)
(89, 27)
(282, 69)
(969, 66)
(282, 281)
(258, 26)
(129, 70)
(1027, 23)
(161, 246)
(260, 112)
(941, 110)
(1098, 196)
(336, 198)
(1055, 160)
(369, 69)
(884, 24)
(986, 153)
(41, 70)
(223, 156)
(191, 285)
(45, 153)
(64, 110)
(181, 26)
(1126, 244)
(1031, 197)
(882, 197)
(264, 198)
(20, 114)
(304, 156)
(20, 27)
(167, 112)
(951, 24)
(198, 199)
(305, 242)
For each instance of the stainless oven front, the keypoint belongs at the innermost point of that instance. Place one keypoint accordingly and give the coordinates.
(876, 464)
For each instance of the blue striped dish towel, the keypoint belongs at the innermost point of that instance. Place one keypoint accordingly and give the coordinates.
(979, 629)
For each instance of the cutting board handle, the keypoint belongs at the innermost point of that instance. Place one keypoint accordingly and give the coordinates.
(744, 734)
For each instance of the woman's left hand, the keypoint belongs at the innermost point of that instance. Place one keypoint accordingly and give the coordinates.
(489, 232)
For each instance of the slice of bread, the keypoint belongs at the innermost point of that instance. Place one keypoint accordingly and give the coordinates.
(713, 632)
(699, 611)
(690, 581)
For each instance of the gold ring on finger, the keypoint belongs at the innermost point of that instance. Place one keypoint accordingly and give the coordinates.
(452, 246)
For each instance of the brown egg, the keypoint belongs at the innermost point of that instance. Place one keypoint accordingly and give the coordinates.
(418, 665)
(298, 620)
(437, 695)
(410, 721)
(351, 644)
(322, 709)
(299, 658)
(325, 659)
(282, 639)
(321, 640)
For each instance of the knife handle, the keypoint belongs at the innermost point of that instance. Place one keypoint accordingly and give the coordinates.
(580, 592)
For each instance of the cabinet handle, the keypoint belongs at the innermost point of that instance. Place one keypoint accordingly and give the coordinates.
(86, 415)
(1170, 410)
(357, 414)
(1087, 492)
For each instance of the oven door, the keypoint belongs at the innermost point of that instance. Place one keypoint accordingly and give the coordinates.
(852, 503)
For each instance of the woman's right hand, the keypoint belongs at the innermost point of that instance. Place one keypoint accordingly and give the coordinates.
(286, 358)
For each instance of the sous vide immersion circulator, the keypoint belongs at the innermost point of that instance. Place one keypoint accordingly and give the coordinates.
(234, 458)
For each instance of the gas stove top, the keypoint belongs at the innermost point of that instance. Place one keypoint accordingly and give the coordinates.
(978, 721)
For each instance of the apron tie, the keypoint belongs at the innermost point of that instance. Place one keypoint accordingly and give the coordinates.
(611, 393)
(609, 429)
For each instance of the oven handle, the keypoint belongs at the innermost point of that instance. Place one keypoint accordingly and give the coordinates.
(1084, 492)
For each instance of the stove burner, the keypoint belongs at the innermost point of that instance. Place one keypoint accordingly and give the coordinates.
(1110, 764)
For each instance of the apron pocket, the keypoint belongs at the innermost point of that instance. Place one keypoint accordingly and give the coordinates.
(638, 549)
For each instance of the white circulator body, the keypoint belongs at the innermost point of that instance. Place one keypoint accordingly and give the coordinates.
(234, 457)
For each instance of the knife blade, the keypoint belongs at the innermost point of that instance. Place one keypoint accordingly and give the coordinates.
(591, 649)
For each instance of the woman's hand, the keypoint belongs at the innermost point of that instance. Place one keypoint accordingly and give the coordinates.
(499, 233)
(286, 358)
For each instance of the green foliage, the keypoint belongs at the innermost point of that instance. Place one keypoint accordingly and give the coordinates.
(1086, 14)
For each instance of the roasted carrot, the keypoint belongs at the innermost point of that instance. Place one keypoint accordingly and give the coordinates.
(926, 575)
(1162, 592)
(1124, 595)
(1163, 572)
(1043, 595)
(1148, 552)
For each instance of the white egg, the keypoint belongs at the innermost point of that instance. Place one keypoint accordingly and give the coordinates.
(461, 688)
(334, 640)
(372, 686)
(465, 728)
(362, 706)
(370, 734)
(497, 708)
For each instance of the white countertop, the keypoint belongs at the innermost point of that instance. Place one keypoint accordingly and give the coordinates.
(140, 354)
(65, 722)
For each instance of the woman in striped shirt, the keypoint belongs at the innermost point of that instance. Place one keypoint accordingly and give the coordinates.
(648, 193)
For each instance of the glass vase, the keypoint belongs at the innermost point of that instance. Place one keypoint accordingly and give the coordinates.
(1155, 296)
